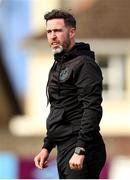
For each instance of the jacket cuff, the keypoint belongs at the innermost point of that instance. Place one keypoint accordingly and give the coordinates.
(81, 143)
(47, 146)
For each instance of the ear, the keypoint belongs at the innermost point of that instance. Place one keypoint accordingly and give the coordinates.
(72, 33)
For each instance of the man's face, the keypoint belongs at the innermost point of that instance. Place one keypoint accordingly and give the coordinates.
(59, 36)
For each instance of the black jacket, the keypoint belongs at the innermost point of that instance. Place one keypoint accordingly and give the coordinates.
(75, 94)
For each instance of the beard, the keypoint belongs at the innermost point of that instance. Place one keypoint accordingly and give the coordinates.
(57, 50)
(62, 47)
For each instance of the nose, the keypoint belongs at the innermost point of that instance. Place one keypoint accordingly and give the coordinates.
(53, 35)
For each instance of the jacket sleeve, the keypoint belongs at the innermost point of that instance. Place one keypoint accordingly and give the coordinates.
(88, 80)
(48, 144)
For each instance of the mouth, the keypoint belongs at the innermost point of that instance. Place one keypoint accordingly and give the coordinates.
(55, 44)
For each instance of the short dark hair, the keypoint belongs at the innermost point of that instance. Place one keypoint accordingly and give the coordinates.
(60, 14)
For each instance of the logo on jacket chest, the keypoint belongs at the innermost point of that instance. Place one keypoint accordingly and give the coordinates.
(64, 74)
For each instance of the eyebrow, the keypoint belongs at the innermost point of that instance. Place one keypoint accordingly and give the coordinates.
(55, 30)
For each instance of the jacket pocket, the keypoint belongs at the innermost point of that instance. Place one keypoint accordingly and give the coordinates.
(56, 126)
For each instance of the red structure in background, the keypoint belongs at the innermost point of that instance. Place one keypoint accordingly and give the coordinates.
(26, 167)
(105, 171)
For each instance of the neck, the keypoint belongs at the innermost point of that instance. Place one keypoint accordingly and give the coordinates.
(71, 45)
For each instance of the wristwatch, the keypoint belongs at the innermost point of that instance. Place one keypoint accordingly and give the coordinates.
(79, 151)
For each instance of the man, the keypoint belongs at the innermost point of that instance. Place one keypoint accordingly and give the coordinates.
(74, 91)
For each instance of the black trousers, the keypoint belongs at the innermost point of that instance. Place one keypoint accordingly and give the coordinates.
(94, 160)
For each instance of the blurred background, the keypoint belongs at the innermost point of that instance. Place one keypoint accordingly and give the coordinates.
(25, 60)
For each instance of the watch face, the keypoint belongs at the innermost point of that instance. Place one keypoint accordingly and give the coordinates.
(79, 151)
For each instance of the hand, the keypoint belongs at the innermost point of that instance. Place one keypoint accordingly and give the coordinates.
(76, 161)
(41, 159)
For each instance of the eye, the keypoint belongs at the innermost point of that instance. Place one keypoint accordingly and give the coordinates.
(48, 31)
(58, 30)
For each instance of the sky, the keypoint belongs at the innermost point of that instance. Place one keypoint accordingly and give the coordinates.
(14, 27)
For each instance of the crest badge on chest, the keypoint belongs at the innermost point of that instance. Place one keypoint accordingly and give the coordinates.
(64, 74)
